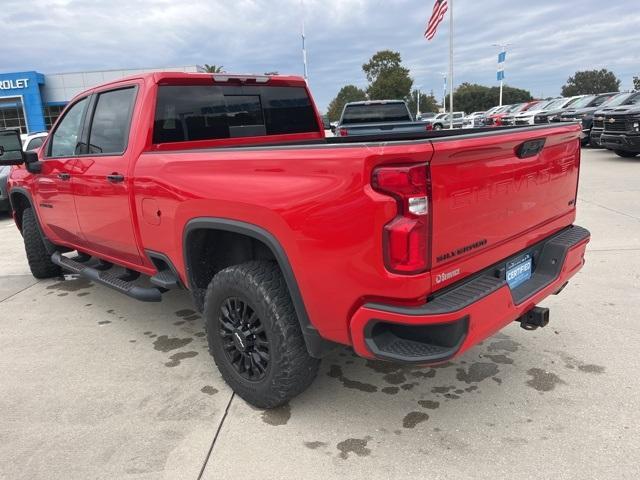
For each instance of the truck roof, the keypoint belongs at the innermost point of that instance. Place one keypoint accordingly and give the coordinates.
(375, 102)
(176, 77)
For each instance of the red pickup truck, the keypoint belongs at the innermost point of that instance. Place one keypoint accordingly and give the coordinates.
(407, 247)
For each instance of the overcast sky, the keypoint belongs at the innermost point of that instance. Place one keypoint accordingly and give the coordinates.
(551, 39)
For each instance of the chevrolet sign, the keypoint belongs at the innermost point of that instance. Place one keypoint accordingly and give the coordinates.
(14, 84)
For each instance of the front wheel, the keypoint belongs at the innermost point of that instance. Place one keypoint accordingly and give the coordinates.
(254, 335)
(37, 255)
(625, 154)
(437, 127)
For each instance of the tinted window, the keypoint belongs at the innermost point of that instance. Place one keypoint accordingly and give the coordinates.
(35, 143)
(110, 124)
(65, 138)
(185, 113)
(376, 113)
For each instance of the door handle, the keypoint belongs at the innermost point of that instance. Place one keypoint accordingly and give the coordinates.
(64, 176)
(530, 148)
(115, 178)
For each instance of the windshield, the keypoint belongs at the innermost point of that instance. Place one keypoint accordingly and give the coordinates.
(539, 106)
(583, 102)
(621, 99)
(516, 108)
(571, 103)
(375, 113)
(440, 116)
(556, 104)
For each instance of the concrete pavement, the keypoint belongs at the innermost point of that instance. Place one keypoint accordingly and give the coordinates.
(95, 385)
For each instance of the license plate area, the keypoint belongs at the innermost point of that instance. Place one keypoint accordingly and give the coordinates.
(519, 270)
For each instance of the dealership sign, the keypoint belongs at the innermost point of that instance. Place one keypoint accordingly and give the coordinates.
(14, 84)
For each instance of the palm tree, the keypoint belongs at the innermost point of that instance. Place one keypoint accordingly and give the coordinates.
(213, 68)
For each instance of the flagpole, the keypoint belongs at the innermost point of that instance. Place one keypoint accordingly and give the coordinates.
(451, 64)
(304, 47)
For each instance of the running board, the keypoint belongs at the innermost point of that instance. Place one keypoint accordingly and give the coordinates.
(108, 279)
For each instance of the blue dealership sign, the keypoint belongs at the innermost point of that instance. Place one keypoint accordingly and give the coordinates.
(24, 87)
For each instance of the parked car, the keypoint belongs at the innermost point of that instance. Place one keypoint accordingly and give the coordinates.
(476, 119)
(33, 141)
(622, 131)
(527, 117)
(582, 111)
(4, 195)
(374, 117)
(509, 118)
(444, 121)
(555, 109)
(630, 98)
(426, 116)
(289, 242)
(495, 119)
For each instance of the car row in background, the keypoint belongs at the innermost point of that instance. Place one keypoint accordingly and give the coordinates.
(610, 120)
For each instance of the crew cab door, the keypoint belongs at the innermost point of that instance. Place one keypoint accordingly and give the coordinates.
(52, 187)
(101, 185)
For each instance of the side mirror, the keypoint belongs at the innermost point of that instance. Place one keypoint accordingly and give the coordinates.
(10, 148)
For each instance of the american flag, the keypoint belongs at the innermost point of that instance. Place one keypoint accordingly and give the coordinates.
(439, 10)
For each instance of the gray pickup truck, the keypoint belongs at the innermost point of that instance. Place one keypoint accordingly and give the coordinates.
(376, 117)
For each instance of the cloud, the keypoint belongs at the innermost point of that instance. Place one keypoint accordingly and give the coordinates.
(550, 39)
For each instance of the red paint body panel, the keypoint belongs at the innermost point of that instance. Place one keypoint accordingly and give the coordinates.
(317, 201)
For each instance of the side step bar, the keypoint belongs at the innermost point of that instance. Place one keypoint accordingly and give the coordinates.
(108, 279)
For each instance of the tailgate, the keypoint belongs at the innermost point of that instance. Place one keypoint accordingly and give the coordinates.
(484, 194)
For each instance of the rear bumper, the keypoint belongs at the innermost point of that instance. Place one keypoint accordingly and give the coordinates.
(468, 312)
(628, 143)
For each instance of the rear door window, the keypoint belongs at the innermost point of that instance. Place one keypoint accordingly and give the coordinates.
(111, 120)
(213, 112)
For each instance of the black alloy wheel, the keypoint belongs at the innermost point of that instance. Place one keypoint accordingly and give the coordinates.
(244, 339)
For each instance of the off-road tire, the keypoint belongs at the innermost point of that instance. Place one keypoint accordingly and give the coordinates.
(291, 369)
(625, 154)
(39, 259)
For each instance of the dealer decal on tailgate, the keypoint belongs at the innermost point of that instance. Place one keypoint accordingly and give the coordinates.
(519, 270)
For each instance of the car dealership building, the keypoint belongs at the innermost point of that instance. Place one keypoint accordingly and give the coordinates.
(32, 101)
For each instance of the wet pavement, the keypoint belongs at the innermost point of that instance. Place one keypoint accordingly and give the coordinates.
(95, 385)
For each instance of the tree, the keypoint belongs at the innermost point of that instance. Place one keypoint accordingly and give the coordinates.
(471, 97)
(388, 79)
(428, 103)
(591, 82)
(636, 83)
(213, 68)
(347, 94)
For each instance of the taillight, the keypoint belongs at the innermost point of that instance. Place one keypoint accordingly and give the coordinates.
(405, 238)
(344, 132)
(429, 127)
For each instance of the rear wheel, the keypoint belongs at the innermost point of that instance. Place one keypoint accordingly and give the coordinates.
(437, 126)
(39, 259)
(625, 154)
(254, 335)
